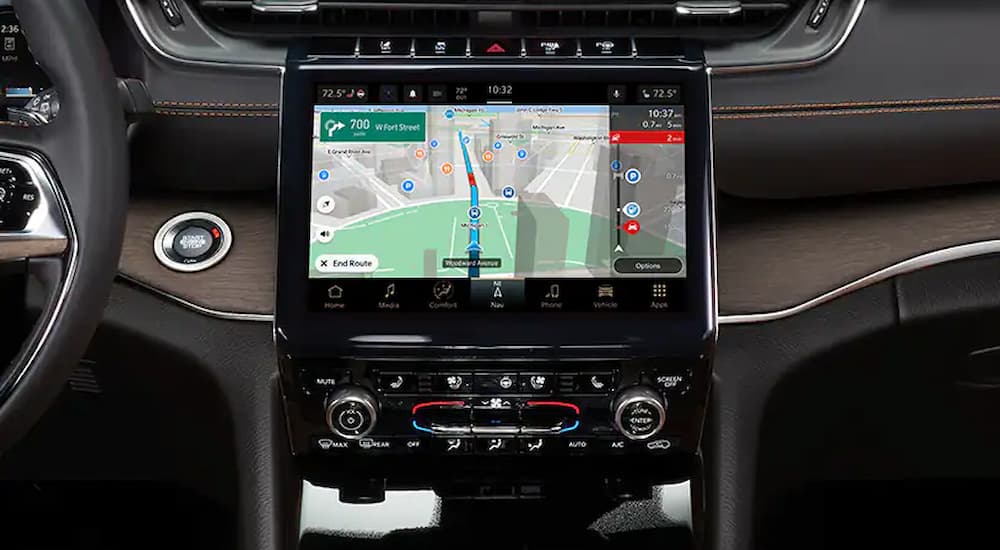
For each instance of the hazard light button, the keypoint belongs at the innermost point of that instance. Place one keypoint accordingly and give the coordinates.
(496, 47)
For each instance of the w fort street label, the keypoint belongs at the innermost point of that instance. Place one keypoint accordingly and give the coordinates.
(401, 127)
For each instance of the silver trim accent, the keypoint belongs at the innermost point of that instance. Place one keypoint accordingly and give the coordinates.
(168, 231)
(45, 232)
(496, 430)
(451, 430)
(936, 257)
(285, 6)
(708, 8)
(639, 394)
(40, 337)
(852, 22)
(710, 245)
(352, 394)
(207, 311)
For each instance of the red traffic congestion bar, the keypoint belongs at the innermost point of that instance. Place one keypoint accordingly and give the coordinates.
(658, 137)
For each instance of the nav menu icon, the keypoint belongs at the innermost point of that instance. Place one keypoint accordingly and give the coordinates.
(498, 295)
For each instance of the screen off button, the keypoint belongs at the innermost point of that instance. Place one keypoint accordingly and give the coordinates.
(346, 263)
(657, 266)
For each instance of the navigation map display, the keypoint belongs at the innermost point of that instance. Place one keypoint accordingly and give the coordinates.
(482, 188)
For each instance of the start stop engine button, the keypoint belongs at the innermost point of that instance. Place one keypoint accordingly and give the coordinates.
(193, 241)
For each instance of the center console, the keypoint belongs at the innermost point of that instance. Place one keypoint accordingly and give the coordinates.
(495, 276)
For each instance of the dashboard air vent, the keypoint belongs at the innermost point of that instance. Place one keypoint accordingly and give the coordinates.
(711, 20)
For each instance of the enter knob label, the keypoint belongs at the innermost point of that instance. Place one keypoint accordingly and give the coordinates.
(640, 419)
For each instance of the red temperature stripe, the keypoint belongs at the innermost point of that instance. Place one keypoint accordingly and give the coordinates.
(419, 406)
(554, 404)
(658, 137)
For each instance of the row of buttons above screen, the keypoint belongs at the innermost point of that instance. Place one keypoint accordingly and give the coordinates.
(590, 48)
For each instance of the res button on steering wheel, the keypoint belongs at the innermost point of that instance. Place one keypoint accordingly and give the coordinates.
(193, 241)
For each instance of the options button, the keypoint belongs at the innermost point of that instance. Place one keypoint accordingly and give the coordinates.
(648, 265)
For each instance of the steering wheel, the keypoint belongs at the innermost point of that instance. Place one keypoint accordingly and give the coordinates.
(78, 172)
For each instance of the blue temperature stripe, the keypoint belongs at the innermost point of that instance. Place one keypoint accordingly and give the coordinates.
(421, 428)
(571, 428)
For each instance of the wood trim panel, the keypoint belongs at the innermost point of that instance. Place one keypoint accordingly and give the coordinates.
(772, 254)
(242, 283)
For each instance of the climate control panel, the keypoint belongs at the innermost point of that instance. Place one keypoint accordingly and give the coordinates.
(353, 408)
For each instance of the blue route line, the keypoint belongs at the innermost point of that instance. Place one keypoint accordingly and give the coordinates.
(474, 247)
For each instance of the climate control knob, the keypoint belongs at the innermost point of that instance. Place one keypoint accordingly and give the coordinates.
(351, 412)
(639, 412)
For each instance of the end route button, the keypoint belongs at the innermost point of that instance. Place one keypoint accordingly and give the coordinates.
(346, 263)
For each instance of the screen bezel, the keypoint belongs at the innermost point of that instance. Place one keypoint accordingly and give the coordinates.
(305, 333)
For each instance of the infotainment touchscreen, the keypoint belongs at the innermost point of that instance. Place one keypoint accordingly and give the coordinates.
(498, 196)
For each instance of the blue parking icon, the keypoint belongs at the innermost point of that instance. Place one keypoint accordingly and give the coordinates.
(508, 192)
(633, 176)
(434, 144)
(522, 154)
(324, 175)
(475, 213)
(407, 186)
(616, 165)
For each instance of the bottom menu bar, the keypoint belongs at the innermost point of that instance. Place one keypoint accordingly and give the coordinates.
(524, 295)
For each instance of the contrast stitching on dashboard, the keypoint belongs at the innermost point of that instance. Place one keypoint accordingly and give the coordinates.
(882, 103)
(218, 114)
(857, 112)
(215, 104)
